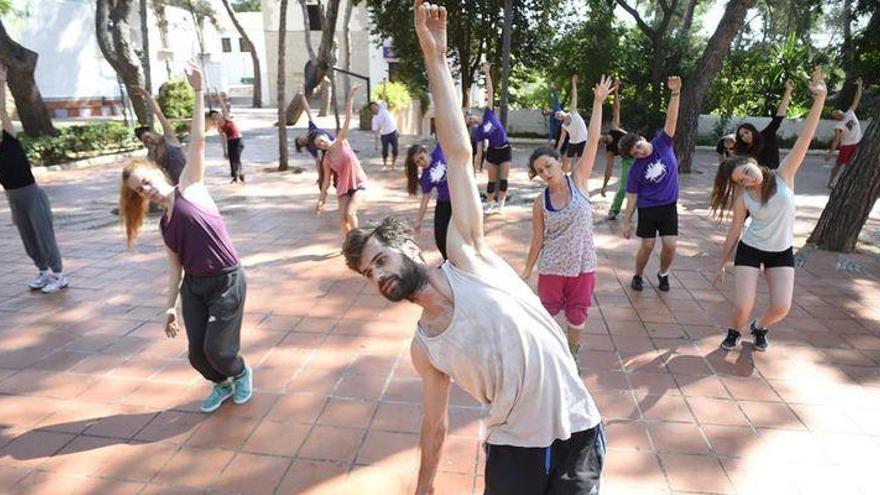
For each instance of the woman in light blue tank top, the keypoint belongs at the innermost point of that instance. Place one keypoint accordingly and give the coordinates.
(743, 186)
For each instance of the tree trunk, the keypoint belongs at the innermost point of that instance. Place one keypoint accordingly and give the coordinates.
(316, 71)
(848, 52)
(20, 65)
(145, 55)
(307, 30)
(688, 18)
(258, 80)
(505, 59)
(854, 196)
(113, 29)
(326, 92)
(707, 68)
(282, 50)
(346, 46)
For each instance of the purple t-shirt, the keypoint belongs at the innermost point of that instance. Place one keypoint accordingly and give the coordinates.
(434, 176)
(655, 178)
(311, 147)
(198, 237)
(491, 129)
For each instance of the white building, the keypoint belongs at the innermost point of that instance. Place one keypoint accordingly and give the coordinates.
(76, 80)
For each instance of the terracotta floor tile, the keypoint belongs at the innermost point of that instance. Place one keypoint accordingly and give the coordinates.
(225, 432)
(330, 443)
(634, 469)
(732, 441)
(628, 435)
(403, 418)
(665, 407)
(749, 389)
(297, 408)
(173, 427)
(193, 467)
(771, 415)
(306, 476)
(360, 387)
(137, 461)
(347, 413)
(717, 412)
(252, 474)
(275, 438)
(695, 472)
(32, 448)
(394, 449)
(678, 437)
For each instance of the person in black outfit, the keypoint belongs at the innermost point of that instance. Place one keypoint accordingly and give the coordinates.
(725, 147)
(763, 146)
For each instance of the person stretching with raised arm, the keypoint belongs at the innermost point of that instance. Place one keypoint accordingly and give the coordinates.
(763, 146)
(744, 185)
(847, 135)
(498, 153)
(230, 138)
(483, 327)
(573, 128)
(653, 187)
(302, 141)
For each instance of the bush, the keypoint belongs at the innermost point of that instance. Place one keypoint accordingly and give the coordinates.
(394, 94)
(82, 141)
(176, 99)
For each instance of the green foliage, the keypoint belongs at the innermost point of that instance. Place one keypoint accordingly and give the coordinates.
(528, 88)
(394, 94)
(247, 6)
(76, 142)
(5, 6)
(176, 99)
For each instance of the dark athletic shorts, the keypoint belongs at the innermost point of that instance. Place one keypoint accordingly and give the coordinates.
(567, 467)
(389, 140)
(575, 150)
(748, 256)
(658, 219)
(351, 192)
(497, 156)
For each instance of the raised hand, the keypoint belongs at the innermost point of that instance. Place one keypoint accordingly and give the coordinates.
(604, 87)
(430, 22)
(817, 82)
(354, 89)
(574, 79)
(193, 76)
(171, 326)
(674, 83)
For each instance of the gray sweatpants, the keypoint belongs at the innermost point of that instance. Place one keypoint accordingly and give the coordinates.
(213, 307)
(32, 214)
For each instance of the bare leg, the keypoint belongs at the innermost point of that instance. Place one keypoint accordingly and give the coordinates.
(344, 203)
(667, 252)
(744, 295)
(493, 176)
(503, 173)
(834, 171)
(609, 167)
(780, 281)
(644, 254)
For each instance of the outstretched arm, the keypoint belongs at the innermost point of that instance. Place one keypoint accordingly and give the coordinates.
(795, 158)
(221, 102)
(167, 129)
(306, 106)
(674, 83)
(786, 99)
(858, 96)
(194, 171)
(435, 422)
(490, 88)
(588, 159)
(537, 243)
(349, 104)
(615, 117)
(466, 228)
(4, 114)
(733, 234)
(574, 94)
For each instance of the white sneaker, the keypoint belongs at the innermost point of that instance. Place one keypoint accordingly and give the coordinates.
(40, 280)
(490, 209)
(56, 283)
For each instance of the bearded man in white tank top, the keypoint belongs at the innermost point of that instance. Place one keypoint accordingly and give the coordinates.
(483, 327)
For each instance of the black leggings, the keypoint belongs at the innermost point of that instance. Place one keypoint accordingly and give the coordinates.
(442, 217)
(213, 307)
(234, 148)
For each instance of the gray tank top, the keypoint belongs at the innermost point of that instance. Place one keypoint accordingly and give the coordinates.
(505, 350)
(772, 225)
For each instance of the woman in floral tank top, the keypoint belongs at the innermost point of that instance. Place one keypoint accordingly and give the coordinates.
(562, 228)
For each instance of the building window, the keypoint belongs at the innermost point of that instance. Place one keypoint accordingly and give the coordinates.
(314, 17)
(243, 45)
(227, 45)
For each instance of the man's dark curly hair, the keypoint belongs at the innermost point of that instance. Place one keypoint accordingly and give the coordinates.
(392, 232)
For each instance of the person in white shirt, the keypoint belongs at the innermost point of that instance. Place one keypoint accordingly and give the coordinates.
(847, 135)
(483, 327)
(386, 130)
(574, 127)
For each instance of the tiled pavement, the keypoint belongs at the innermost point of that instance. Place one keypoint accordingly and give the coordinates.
(94, 399)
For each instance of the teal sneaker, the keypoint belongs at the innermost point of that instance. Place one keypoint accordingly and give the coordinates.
(219, 394)
(244, 386)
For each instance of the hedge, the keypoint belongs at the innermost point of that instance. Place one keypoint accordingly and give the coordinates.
(78, 142)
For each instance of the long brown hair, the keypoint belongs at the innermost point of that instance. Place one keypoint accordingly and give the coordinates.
(132, 206)
(412, 170)
(723, 191)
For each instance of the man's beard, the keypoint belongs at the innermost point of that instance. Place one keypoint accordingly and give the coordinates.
(413, 276)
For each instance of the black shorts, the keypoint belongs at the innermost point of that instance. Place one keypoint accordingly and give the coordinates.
(658, 219)
(575, 150)
(567, 467)
(350, 192)
(389, 140)
(497, 156)
(748, 256)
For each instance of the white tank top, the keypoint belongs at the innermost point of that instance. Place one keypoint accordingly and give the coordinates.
(505, 350)
(772, 225)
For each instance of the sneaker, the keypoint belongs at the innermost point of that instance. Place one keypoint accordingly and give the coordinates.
(732, 339)
(760, 335)
(115, 211)
(56, 283)
(612, 216)
(490, 209)
(219, 394)
(244, 386)
(41, 280)
(664, 282)
(241, 178)
(637, 283)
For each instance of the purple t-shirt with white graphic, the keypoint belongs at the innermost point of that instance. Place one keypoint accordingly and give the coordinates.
(434, 175)
(655, 178)
(491, 129)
